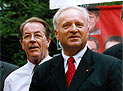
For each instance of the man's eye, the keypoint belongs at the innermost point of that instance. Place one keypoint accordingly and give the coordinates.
(38, 35)
(66, 26)
(26, 36)
(91, 17)
(79, 25)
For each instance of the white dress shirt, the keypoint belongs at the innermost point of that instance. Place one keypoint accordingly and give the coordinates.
(76, 57)
(20, 79)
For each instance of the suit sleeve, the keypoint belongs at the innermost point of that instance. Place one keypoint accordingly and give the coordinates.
(115, 77)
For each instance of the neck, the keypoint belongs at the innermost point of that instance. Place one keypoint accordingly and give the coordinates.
(72, 51)
(36, 60)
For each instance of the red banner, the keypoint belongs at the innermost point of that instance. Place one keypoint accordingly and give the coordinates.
(109, 24)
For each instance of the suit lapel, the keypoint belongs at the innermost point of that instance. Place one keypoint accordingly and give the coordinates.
(59, 74)
(84, 69)
(1, 69)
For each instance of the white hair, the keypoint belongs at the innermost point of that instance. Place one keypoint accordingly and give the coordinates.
(81, 9)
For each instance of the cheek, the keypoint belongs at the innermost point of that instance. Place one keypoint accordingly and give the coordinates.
(60, 35)
(92, 21)
(43, 43)
(24, 45)
(84, 35)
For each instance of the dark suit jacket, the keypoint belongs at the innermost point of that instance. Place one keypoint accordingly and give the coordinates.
(5, 70)
(116, 51)
(104, 74)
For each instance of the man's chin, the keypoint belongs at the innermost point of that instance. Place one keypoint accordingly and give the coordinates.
(35, 55)
(74, 43)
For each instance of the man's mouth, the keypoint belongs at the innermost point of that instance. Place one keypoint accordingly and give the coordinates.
(74, 37)
(33, 47)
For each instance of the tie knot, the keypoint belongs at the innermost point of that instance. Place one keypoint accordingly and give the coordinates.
(70, 60)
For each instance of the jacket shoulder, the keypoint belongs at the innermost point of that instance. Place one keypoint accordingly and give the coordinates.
(50, 63)
(106, 59)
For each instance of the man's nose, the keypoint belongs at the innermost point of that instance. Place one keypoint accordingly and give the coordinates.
(74, 28)
(32, 39)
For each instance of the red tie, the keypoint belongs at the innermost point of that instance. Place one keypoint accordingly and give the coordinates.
(71, 70)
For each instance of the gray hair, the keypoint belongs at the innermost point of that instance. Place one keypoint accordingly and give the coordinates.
(81, 9)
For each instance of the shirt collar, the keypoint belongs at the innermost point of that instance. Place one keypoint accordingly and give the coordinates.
(77, 57)
(31, 65)
(45, 59)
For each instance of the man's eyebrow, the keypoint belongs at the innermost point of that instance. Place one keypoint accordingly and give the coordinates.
(26, 33)
(38, 31)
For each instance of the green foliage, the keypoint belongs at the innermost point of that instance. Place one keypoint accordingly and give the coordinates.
(111, 3)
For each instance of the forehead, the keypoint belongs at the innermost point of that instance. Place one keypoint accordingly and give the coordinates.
(70, 11)
(112, 43)
(33, 26)
(71, 14)
(91, 42)
(91, 13)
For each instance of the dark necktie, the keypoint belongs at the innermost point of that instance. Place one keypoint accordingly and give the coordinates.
(35, 67)
(71, 70)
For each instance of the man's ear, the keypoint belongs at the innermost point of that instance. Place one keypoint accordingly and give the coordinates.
(21, 42)
(56, 34)
(49, 41)
(87, 31)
